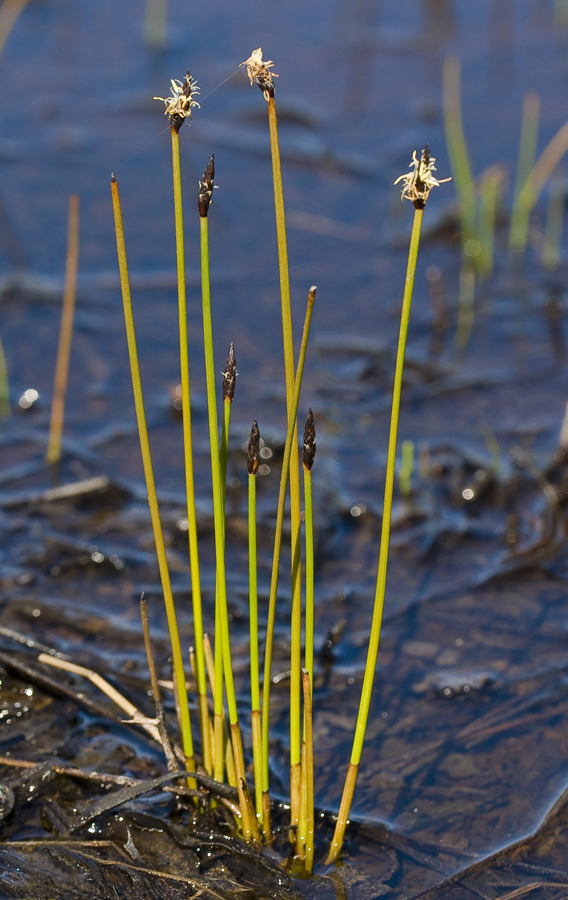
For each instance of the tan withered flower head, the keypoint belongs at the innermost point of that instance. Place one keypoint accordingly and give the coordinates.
(181, 102)
(418, 183)
(257, 71)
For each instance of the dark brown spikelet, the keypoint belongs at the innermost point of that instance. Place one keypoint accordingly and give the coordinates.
(309, 441)
(253, 449)
(230, 375)
(206, 185)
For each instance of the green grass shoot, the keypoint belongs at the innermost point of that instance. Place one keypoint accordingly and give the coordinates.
(188, 455)
(288, 448)
(179, 673)
(552, 237)
(256, 722)
(406, 468)
(416, 189)
(523, 197)
(224, 666)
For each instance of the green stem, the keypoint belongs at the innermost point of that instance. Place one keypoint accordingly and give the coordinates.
(179, 673)
(221, 582)
(307, 771)
(253, 623)
(457, 148)
(290, 438)
(523, 202)
(305, 844)
(188, 457)
(373, 648)
(309, 533)
(295, 520)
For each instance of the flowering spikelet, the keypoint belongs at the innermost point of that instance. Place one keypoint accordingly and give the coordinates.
(253, 449)
(230, 375)
(418, 183)
(309, 446)
(206, 185)
(181, 102)
(257, 71)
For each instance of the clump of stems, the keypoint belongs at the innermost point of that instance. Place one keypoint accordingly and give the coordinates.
(221, 755)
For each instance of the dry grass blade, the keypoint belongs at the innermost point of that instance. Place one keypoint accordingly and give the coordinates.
(136, 716)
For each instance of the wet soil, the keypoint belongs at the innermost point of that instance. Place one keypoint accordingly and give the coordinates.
(461, 790)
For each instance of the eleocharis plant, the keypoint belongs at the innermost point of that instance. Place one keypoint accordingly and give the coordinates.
(223, 661)
(227, 755)
(305, 832)
(179, 674)
(179, 110)
(229, 382)
(554, 220)
(258, 71)
(253, 452)
(523, 199)
(417, 185)
(288, 452)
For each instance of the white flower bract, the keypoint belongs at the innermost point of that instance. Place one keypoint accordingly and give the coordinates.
(182, 100)
(419, 182)
(257, 71)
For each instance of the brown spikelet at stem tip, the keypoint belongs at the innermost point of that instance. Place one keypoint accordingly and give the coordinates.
(206, 185)
(253, 449)
(309, 441)
(230, 375)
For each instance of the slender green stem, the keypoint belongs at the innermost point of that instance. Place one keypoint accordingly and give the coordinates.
(523, 202)
(554, 219)
(373, 648)
(489, 195)
(155, 15)
(179, 673)
(288, 448)
(219, 738)
(220, 725)
(406, 468)
(256, 726)
(225, 743)
(307, 773)
(457, 148)
(295, 520)
(188, 457)
(309, 452)
(305, 844)
(221, 583)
